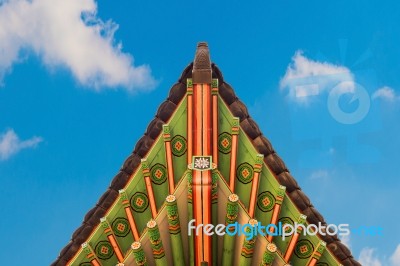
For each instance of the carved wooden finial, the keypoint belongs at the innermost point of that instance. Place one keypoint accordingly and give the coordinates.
(202, 64)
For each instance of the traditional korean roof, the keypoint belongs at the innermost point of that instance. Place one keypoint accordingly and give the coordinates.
(202, 157)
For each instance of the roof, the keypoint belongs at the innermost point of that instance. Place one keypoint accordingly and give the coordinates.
(201, 71)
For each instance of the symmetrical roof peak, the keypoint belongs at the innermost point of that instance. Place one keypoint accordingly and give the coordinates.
(202, 72)
(202, 158)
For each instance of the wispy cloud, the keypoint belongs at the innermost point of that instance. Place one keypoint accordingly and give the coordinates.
(395, 258)
(385, 93)
(68, 34)
(369, 258)
(10, 144)
(306, 77)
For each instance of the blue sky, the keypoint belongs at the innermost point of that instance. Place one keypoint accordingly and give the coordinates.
(82, 79)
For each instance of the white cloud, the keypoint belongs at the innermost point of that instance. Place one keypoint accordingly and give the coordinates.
(305, 77)
(385, 93)
(68, 34)
(368, 257)
(395, 258)
(10, 144)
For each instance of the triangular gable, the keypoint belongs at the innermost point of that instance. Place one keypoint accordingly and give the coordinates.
(149, 158)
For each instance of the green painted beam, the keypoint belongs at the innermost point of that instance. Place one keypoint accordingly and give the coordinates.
(232, 209)
(174, 230)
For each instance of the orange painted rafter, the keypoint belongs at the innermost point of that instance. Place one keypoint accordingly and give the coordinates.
(294, 238)
(202, 146)
(149, 188)
(206, 175)
(95, 263)
(112, 239)
(90, 255)
(312, 262)
(197, 182)
(214, 92)
(274, 219)
(317, 253)
(129, 214)
(235, 135)
(132, 223)
(277, 209)
(253, 195)
(116, 248)
(291, 246)
(168, 153)
(254, 185)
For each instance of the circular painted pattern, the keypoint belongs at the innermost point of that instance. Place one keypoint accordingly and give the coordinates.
(139, 202)
(178, 145)
(244, 173)
(158, 174)
(284, 221)
(136, 245)
(304, 249)
(322, 264)
(225, 142)
(266, 201)
(271, 247)
(121, 227)
(85, 264)
(104, 250)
